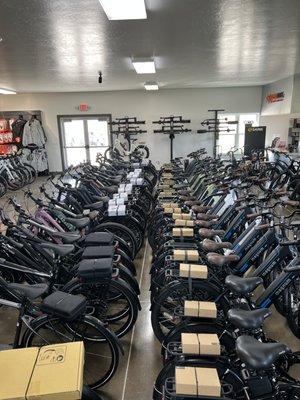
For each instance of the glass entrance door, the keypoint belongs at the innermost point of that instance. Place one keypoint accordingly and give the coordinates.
(82, 138)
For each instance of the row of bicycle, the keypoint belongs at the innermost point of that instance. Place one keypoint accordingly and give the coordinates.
(15, 173)
(68, 267)
(224, 251)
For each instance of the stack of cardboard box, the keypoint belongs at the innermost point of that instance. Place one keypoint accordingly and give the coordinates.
(53, 372)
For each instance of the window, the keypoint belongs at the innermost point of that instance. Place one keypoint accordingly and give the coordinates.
(82, 138)
(236, 136)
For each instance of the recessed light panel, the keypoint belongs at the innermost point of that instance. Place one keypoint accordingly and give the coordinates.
(151, 86)
(124, 9)
(7, 91)
(144, 67)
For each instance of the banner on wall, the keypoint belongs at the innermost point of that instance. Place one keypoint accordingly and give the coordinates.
(274, 97)
(277, 97)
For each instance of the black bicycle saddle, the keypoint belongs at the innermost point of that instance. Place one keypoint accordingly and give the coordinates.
(248, 319)
(257, 355)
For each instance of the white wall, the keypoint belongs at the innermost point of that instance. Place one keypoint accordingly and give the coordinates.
(277, 126)
(276, 116)
(190, 103)
(296, 95)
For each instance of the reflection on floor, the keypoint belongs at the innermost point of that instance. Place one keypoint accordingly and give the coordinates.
(141, 362)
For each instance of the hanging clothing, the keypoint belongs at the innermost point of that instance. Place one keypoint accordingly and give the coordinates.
(34, 133)
(17, 127)
(38, 159)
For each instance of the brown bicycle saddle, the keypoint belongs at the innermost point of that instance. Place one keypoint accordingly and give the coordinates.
(210, 233)
(205, 224)
(220, 260)
(211, 245)
(207, 217)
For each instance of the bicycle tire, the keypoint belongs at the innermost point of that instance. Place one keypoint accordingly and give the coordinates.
(120, 287)
(104, 336)
(32, 171)
(119, 230)
(182, 291)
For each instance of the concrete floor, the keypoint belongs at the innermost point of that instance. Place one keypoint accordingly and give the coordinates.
(141, 362)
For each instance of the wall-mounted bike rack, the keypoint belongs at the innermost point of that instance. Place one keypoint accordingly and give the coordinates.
(171, 126)
(128, 127)
(212, 126)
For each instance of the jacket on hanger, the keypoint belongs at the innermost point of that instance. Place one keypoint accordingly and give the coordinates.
(34, 133)
(17, 127)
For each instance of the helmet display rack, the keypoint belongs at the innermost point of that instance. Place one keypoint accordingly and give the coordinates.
(212, 125)
(171, 126)
(129, 128)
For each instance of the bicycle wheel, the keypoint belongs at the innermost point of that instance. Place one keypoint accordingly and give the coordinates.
(14, 181)
(101, 347)
(293, 312)
(126, 275)
(32, 173)
(119, 310)
(167, 307)
(25, 175)
(119, 230)
(3, 186)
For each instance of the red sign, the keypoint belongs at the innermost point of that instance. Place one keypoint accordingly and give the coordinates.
(83, 107)
(274, 97)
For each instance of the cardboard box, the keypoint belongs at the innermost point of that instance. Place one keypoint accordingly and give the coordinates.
(179, 222)
(165, 195)
(179, 215)
(163, 186)
(207, 309)
(187, 232)
(179, 255)
(184, 232)
(176, 210)
(185, 381)
(197, 381)
(169, 205)
(58, 373)
(176, 216)
(195, 271)
(202, 309)
(168, 210)
(190, 343)
(191, 308)
(176, 232)
(169, 182)
(192, 255)
(190, 223)
(209, 344)
(208, 382)
(16, 367)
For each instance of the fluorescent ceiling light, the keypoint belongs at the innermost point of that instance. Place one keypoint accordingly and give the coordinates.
(7, 91)
(144, 67)
(124, 9)
(151, 86)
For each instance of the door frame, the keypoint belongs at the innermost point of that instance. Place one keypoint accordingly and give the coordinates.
(78, 116)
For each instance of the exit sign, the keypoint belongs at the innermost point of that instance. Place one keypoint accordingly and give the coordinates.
(83, 107)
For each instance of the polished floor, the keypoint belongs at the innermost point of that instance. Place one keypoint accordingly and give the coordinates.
(141, 361)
